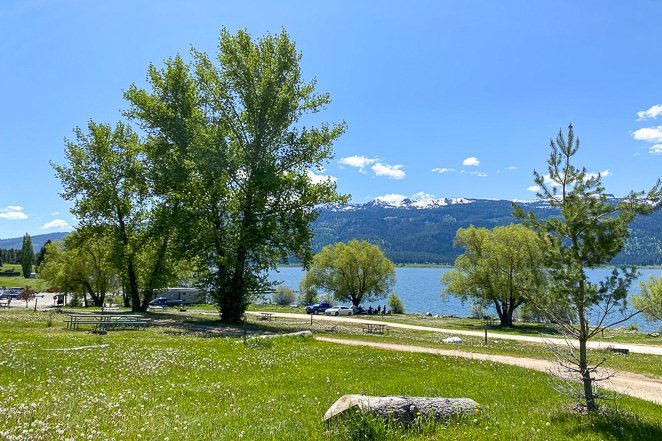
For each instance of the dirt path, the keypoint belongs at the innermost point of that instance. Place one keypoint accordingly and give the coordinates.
(639, 386)
(635, 348)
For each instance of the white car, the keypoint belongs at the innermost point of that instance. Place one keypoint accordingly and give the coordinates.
(339, 310)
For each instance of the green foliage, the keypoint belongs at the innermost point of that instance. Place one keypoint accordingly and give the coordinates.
(234, 156)
(589, 232)
(80, 264)
(356, 272)
(283, 295)
(106, 178)
(307, 295)
(395, 305)
(502, 266)
(27, 256)
(40, 255)
(649, 299)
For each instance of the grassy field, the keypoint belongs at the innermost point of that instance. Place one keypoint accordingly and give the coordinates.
(534, 329)
(172, 383)
(20, 281)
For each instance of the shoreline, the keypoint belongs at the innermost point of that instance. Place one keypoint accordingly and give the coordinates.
(441, 265)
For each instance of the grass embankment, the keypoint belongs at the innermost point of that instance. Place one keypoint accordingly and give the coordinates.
(170, 383)
(20, 281)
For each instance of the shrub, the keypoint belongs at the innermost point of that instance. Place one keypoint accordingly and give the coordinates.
(307, 295)
(283, 295)
(395, 304)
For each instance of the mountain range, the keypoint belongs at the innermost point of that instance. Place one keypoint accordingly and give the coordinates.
(422, 230)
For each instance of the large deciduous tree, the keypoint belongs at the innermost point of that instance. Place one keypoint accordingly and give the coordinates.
(108, 179)
(590, 230)
(355, 271)
(502, 266)
(234, 155)
(27, 256)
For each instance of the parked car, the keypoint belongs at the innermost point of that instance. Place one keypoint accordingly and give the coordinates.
(317, 308)
(162, 301)
(339, 310)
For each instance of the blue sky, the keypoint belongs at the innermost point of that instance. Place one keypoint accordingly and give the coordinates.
(443, 98)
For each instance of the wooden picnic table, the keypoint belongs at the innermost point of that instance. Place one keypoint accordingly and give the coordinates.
(4, 303)
(267, 316)
(104, 321)
(375, 328)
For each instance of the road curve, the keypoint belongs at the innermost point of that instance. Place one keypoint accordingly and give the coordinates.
(628, 383)
(635, 348)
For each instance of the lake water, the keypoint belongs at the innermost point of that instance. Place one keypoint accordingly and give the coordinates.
(420, 288)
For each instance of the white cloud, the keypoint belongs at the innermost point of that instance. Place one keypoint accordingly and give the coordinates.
(653, 113)
(316, 179)
(534, 188)
(13, 215)
(480, 174)
(358, 161)
(602, 174)
(55, 223)
(55, 213)
(649, 134)
(13, 212)
(421, 195)
(655, 149)
(443, 170)
(391, 198)
(390, 171)
(471, 161)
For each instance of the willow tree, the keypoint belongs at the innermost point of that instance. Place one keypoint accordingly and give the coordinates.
(354, 271)
(234, 154)
(502, 267)
(589, 231)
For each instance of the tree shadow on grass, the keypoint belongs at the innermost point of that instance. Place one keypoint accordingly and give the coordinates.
(207, 328)
(611, 424)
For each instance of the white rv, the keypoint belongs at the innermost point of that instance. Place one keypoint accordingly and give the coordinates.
(188, 296)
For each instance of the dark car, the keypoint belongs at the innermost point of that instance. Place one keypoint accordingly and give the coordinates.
(317, 308)
(162, 301)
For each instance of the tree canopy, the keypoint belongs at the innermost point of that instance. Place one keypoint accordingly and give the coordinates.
(355, 271)
(107, 178)
(589, 232)
(232, 153)
(27, 256)
(502, 266)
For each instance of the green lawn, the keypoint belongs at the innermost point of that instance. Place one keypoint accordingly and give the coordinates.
(20, 281)
(166, 383)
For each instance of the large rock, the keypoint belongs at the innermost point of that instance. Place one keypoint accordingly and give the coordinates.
(403, 409)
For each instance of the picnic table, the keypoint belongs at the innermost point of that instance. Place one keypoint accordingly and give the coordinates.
(4, 303)
(266, 316)
(375, 328)
(105, 321)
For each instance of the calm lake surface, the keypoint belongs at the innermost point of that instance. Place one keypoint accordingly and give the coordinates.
(420, 288)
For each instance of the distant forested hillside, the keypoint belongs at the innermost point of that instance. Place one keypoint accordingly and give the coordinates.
(425, 235)
(38, 241)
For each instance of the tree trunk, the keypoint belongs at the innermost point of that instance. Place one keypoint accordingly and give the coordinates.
(133, 287)
(402, 409)
(232, 300)
(587, 381)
